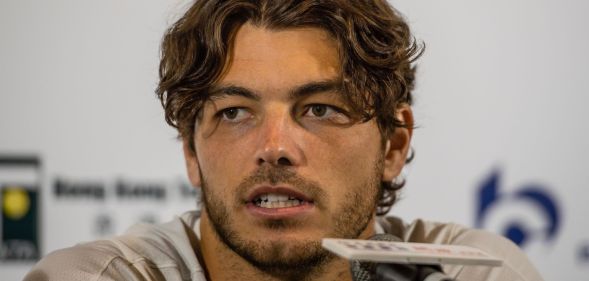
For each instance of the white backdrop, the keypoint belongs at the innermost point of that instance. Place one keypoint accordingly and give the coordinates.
(501, 95)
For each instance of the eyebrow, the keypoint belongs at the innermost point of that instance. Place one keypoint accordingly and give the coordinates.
(296, 93)
(233, 90)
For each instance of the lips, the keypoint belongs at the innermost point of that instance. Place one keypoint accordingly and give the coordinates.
(277, 197)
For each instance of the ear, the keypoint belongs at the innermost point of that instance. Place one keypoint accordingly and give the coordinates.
(192, 168)
(397, 144)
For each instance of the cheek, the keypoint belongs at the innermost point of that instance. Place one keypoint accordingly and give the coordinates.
(345, 158)
(223, 164)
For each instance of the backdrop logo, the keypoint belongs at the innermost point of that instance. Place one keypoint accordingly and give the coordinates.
(528, 213)
(19, 197)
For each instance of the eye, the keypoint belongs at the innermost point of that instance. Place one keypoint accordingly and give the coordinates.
(319, 110)
(234, 114)
(326, 113)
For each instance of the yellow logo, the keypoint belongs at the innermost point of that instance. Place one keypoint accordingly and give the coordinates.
(16, 203)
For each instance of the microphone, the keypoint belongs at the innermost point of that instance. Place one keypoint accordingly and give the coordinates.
(383, 259)
(372, 271)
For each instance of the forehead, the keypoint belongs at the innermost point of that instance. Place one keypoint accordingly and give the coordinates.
(270, 59)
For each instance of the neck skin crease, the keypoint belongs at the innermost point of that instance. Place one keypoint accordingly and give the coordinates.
(224, 264)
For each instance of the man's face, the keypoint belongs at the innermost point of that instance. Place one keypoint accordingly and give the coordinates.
(281, 161)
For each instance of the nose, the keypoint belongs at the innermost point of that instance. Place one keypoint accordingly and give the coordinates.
(280, 140)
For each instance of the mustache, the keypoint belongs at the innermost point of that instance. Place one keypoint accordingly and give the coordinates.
(276, 175)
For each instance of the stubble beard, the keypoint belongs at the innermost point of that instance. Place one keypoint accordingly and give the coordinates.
(300, 259)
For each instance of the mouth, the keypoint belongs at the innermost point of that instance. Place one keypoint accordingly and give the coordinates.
(278, 202)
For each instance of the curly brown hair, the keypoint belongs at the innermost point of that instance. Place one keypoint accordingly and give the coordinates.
(375, 45)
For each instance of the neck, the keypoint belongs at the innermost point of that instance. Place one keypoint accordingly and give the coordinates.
(222, 263)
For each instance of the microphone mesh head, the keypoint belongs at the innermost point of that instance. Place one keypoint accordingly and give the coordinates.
(365, 271)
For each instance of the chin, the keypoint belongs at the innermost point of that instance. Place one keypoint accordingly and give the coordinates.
(284, 255)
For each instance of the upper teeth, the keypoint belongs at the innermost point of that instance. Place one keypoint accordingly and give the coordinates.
(272, 200)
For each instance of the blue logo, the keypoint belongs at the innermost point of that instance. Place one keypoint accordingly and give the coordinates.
(528, 213)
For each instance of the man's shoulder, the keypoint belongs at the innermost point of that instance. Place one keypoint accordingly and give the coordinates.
(81, 262)
(144, 252)
(516, 266)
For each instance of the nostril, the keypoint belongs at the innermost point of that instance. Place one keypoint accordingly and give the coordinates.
(283, 161)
